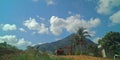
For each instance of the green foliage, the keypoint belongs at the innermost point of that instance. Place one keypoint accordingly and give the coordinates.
(7, 46)
(82, 33)
(6, 49)
(111, 42)
(93, 50)
(77, 52)
(31, 54)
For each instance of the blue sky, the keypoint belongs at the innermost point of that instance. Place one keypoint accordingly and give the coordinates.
(30, 22)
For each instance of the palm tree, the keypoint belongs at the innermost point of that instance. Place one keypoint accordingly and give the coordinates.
(74, 41)
(82, 34)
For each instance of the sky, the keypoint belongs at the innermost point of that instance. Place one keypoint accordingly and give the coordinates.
(31, 22)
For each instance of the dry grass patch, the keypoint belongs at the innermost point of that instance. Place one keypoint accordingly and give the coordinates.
(83, 57)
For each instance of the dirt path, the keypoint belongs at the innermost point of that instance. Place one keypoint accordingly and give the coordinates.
(83, 57)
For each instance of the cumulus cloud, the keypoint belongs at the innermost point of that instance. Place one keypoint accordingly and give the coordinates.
(32, 24)
(71, 24)
(12, 40)
(115, 18)
(43, 29)
(107, 6)
(56, 25)
(8, 27)
(22, 30)
(8, 38)
(22, 42)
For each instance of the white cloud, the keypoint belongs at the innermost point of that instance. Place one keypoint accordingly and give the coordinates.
(41, 18)
(8, 38)
(91, 33)
(56, 25)
(8, 27)
(22, 42)
(12, 40)
(22, 30)
(71, 24)
(37, 44)
(50, 2)
(107, 6)
(42, 29)
(32, 24)
(40, 43)
(115, 18)
(96, 40)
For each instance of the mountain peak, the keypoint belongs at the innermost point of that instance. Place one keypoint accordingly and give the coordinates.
(51, 47)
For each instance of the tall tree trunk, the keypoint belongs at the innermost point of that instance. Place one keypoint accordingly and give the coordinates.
(81, 49)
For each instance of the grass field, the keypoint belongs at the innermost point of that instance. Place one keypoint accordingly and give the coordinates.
(45, 56)
(32, 56)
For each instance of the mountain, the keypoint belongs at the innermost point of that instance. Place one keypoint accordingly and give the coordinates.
(51, 47)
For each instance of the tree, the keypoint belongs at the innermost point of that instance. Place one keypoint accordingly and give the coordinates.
(80, 38)
(93, 50)
(111, 42)
(82, 34)
(3, 45)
